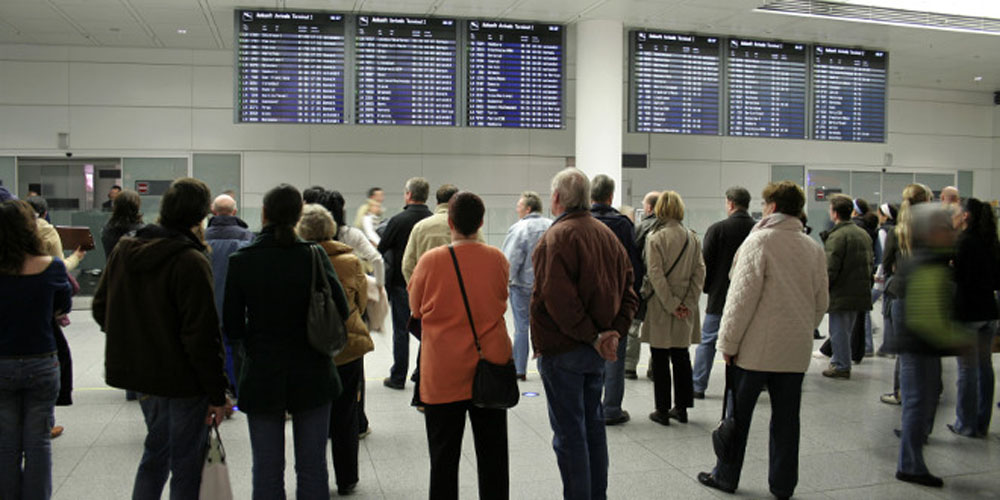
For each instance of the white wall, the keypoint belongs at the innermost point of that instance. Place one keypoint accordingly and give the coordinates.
(156, 102)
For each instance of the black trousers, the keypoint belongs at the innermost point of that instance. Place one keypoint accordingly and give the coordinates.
(362, 416)
(344, 424)
(445, 425)
(662, 359)
(785, 391)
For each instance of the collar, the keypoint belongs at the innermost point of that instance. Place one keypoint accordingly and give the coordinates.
(572, 214)
(416, 206)
(741, 213)
(532, 215)
(227, 220)
(602, 208)
(442, 208)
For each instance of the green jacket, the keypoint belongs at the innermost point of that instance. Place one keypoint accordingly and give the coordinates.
(849, 267)
(267, 297)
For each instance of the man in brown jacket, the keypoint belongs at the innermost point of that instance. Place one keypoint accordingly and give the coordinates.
(581, 304)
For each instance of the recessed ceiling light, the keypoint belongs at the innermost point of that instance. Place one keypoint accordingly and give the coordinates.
(182, 31)
(978, 78)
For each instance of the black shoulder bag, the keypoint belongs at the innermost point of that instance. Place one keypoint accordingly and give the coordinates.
(724, 436)
(493, 386)
(325, 328)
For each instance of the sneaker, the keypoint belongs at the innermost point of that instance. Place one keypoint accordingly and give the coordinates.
(57, 431)
(659, 417)
(631, 374)
(832, 372)
(620, 419)
(819, 355)
(890, 398)
(921, 479)
(392, 385)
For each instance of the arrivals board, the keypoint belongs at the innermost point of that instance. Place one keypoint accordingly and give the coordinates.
(289, 67)
(766, 84)
(849, 94)
(675, 83)
(515, 74)
(405, 69)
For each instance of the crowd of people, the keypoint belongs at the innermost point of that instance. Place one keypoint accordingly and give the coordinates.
(226, 317)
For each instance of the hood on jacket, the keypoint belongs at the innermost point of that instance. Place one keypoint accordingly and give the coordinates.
(153, 246)
(227, 220)
(778, 221)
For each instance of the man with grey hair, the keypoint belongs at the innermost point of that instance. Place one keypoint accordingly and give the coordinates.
(582, 303)
(393, 246)
(642, 229)
(602, 191)
(517, 246)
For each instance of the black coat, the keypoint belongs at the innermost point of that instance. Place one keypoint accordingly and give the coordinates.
(976, 277)
(721, 242)
(624, 229)
(393, 242)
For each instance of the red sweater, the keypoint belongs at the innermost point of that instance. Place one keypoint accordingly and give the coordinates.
(448, 352)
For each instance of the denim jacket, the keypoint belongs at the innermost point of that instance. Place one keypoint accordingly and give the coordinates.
(518, 245)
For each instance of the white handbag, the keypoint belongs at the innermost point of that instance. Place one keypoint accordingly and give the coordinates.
(215, 475)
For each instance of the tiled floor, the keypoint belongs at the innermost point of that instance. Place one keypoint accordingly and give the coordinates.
(848, 450)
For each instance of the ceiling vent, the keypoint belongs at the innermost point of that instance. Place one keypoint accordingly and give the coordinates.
(883, 15)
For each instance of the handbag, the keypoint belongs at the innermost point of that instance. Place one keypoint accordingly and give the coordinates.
(724, 435)
(215, 474)
(378, 305)
(493, 386)
(325, 328)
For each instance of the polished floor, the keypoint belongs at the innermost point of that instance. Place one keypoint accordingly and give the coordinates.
(847, 450)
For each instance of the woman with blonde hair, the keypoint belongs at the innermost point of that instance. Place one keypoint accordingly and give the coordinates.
(317, 225)
(674, 279)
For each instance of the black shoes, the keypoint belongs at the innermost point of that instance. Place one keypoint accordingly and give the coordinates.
(678, 414)
(631, 374)
(698, 395)
(621, 419)
(921, 479)
(660, 418)
(393, 385)
(522, 377)
(708, 479)
(347, 489)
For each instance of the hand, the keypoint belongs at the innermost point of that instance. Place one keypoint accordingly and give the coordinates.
(682, 312)
(79, 253)
(607, 345)
(216, 414)
(728, 358)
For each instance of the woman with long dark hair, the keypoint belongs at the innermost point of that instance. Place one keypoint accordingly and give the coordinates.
(125, 218)
(268, 290)
(34, 289)
(977, 276)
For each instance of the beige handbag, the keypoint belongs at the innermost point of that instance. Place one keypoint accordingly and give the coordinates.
(215, 475)
(378, 305)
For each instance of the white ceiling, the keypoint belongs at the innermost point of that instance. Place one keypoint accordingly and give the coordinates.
(918, 57)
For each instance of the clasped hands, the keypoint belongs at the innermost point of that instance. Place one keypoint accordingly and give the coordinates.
(607, 345)
(682, 312)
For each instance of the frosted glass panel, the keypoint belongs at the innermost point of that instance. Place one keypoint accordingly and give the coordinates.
(7, 173)
(151, 169)
(220, 171)
(893, 186)
(965, 183)
(936, 182)
(794, 173)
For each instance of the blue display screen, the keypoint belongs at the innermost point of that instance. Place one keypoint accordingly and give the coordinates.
(766, 84)
(675, 83)
(515, 74)
(290, 67)
(405, 70)
(849, 94)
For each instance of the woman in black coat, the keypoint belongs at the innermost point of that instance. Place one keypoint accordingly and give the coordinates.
(977, 276)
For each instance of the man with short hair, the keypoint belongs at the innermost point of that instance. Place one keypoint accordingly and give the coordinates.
(112, 194)
(431, 232)
(226, 233)
(517, 246)
(849, 267)
(370, 214)
(602, 191)
(155, 304)
(582, 303)
(393, 246)
(642, 229)
(721, 242)
(950, 196)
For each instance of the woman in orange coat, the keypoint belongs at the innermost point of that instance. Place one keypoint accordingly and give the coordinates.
(448, 355)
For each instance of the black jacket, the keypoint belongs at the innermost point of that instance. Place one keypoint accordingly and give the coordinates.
(624, 229)
(721, 242)
(110, 235)
(393, 242)
(976, 277)
(228, 227)
(155, 304)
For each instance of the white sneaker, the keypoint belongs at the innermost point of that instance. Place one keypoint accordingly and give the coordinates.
(819, 355)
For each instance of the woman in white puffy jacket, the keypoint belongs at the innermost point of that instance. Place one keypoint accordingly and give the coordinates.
(777, 297)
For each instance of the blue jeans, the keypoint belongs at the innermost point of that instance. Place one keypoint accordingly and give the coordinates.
(919, 386)
(975, 382)
(174, 446)
(310, 429)
(573, 383)
(841, 324)
(399, 300)
(785, 391)
(614, 381)
(28, 391)
(704, 355)
(520, 304)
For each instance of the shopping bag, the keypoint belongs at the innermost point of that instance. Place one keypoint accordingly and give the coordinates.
(215, 475)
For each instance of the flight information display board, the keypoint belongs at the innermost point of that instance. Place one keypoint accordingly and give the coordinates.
(766, 84)
(849, 94)
(290, 67)
(515, 74)
(405, 70)
(675, 83)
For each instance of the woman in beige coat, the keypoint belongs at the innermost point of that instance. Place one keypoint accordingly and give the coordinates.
(675, 274)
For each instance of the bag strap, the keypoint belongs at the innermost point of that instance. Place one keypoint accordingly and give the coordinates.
(465, 299)
(313, 256)
(687, 239)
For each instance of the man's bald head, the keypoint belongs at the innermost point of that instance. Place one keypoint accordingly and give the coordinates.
(649, 201)
(224, 205)
(949, 195)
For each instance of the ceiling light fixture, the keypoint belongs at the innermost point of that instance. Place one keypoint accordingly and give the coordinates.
(978, 78)
(182, 31)
(966, 17)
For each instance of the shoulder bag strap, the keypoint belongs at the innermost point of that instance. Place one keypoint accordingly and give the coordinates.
(687, 239)
(465, 299)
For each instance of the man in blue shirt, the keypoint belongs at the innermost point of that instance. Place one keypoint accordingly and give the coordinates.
(518, 245)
